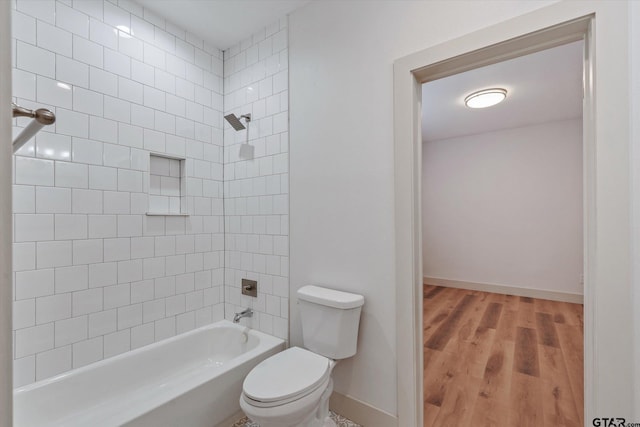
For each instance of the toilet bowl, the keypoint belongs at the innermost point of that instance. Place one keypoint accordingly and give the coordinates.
(292, 388)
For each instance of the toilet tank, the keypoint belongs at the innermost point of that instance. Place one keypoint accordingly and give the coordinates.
(330, 320)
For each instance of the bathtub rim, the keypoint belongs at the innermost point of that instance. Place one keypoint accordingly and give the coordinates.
(268, 340)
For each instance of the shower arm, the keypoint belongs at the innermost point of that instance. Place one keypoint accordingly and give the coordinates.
(247, 117)
(42, 117)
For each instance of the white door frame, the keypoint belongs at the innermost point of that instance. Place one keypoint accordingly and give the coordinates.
(6, 268)
(608, 309)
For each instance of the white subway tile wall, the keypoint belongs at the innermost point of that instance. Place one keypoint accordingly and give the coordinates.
(256, 207)
(94, 276)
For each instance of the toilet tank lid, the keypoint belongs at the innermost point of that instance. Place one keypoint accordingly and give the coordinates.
(330, 297)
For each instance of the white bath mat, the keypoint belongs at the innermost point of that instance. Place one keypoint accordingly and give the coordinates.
(340, 421)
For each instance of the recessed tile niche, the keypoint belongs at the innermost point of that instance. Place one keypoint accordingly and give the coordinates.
(167, 185)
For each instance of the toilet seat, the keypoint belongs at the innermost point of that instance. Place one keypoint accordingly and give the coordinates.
(285, 377)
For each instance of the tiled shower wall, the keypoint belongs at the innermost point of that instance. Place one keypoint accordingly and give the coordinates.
(94, 275)
(257, 190)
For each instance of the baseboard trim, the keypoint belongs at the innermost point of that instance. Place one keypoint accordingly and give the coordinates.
(360, 412)
(510, 290)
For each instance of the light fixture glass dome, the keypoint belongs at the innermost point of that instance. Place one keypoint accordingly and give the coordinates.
(485, 98)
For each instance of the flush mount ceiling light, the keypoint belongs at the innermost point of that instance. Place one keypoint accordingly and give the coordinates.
(485, 98)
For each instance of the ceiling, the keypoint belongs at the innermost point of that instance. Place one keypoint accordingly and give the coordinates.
(542, 87)
(222, 23)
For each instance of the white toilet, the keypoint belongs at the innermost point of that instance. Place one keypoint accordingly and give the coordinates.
(292, 388)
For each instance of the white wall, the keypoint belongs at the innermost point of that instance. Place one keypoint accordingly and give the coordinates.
(256, 191)
(95, 276)
(505, 207)
(341, 57)
(634, 51)
(6, 278)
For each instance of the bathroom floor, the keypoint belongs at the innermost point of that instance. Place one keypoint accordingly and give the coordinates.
(493, 359)
(340, 421)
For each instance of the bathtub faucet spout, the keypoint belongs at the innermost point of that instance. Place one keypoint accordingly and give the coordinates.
(245, 313)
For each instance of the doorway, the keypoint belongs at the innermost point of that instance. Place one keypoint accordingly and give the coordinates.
(502, 244)
(606, 245)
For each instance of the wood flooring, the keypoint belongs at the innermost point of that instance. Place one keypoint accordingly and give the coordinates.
(494, 360)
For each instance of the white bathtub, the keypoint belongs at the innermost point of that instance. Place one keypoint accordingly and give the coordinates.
(191, 380)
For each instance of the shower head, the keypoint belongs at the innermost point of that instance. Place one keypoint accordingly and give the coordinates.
(235, 121)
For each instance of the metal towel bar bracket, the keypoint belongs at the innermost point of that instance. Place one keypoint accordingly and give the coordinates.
(42, 117)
